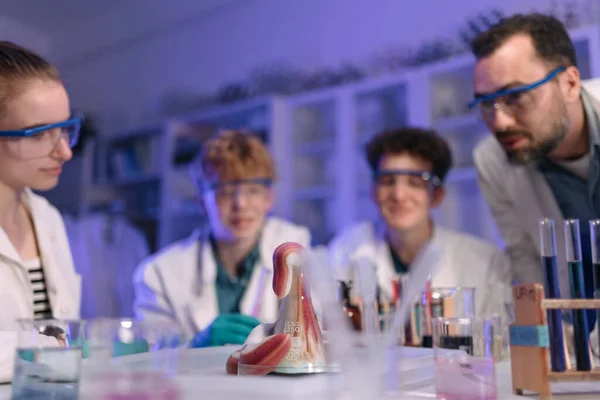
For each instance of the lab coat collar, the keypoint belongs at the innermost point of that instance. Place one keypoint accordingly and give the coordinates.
(35, 207)
(63, 299)
(204, 309)
(7, 249)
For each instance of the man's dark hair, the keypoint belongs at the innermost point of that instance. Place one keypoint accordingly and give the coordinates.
(424, 144)
(550, 38)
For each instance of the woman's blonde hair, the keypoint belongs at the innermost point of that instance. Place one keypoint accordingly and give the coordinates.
(233, 155)
(19, 65)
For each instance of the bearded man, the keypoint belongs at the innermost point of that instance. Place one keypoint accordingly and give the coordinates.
(543, 160)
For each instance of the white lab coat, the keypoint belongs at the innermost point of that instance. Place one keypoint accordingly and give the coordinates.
(16, 296)
(466, 261)
(177, 285)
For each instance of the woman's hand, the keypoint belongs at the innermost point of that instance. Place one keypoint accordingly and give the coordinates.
(62, 340)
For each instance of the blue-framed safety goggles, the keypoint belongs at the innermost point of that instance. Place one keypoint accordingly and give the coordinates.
(236, 183)
(487, 100)
(70, 127)
(426, 176)
(250, 189)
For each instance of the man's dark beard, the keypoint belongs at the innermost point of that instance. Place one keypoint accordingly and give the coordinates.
(538, 150)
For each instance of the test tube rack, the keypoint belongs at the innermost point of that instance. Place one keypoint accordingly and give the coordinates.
(530, 343)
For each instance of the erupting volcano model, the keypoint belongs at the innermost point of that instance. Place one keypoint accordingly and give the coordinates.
(296, 346)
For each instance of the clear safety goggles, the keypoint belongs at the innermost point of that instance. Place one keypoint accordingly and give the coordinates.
(250, 189)
(41, 141)
(415, 180)
(513, 100)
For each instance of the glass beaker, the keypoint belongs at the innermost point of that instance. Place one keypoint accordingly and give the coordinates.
(444, 302)
(48, 359)
(464, 358)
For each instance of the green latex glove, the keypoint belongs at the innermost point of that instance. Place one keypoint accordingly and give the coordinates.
(226, 329)
(125, 349)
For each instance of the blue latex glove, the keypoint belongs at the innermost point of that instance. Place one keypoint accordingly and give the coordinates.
(226, 329)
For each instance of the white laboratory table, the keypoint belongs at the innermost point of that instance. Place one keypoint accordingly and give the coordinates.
(205, 377)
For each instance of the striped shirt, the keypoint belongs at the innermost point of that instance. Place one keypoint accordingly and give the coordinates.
(41, 302)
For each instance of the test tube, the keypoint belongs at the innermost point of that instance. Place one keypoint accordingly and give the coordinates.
(576, 284)
(552, 291)
(367, 292)
(595, 242)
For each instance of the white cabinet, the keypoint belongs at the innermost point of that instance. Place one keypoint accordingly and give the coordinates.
(314, 165)
(379, 107)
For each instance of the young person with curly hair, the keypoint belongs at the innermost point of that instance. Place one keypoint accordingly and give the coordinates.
(216, 285)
